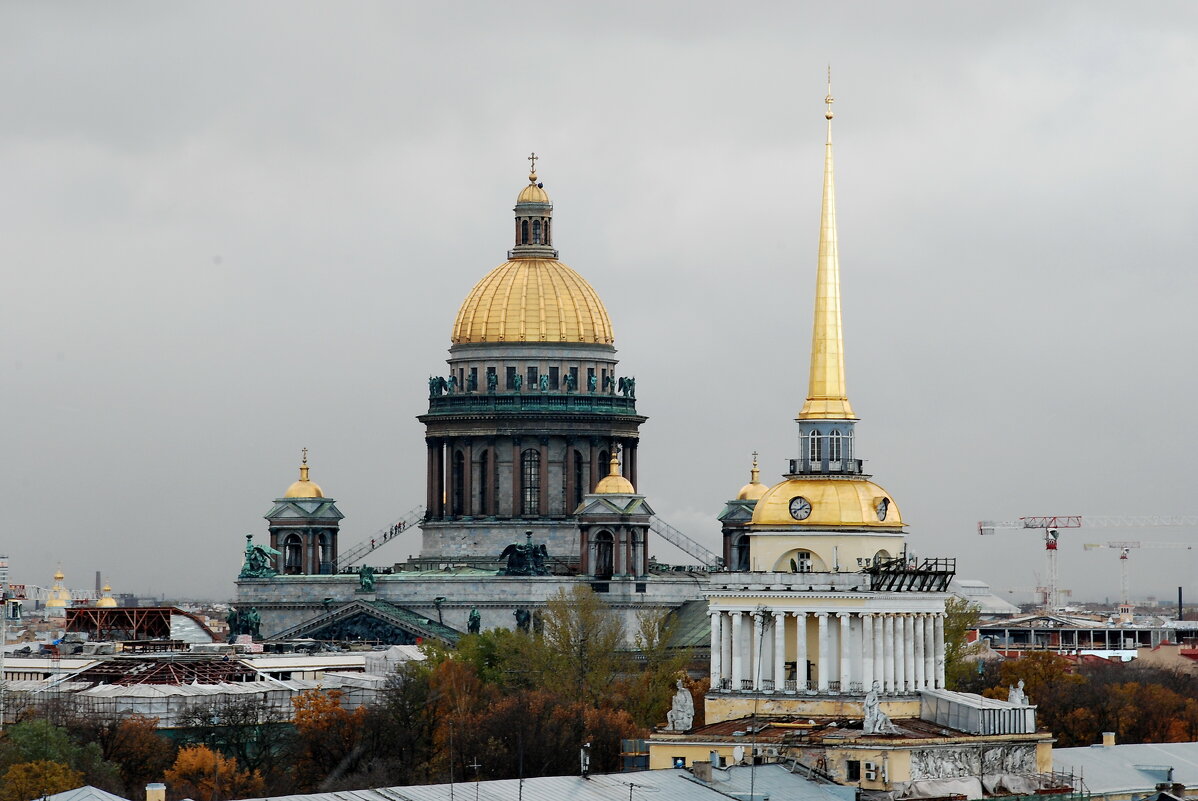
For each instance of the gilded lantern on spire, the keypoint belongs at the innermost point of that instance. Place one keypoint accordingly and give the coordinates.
(827, 397)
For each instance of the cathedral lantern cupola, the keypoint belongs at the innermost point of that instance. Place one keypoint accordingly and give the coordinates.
(534, 220)
(303, 527)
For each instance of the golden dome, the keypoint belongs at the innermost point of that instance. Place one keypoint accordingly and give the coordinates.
(834, 502)
(533, 193)
(304, 488)
(532, 300)
(58, 576)
(614, 483)
(106, 601)
(754, 489)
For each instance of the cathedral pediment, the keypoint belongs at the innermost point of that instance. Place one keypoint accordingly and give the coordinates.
(372, 621)
(305, 509)
(614, 505)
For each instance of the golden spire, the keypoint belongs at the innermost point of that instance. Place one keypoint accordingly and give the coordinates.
(827, 398)
(754, 473)
(304, 466)
(532, 173)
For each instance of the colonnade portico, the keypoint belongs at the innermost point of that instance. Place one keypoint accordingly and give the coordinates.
(761, 649)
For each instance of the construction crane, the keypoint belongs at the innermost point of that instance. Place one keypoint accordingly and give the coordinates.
(1052, 524)
(1125, 547)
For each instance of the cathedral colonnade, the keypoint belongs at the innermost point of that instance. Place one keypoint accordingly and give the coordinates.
(764, 650)
(520, 476)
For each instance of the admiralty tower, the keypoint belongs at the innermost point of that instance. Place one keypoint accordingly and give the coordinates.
(531, 412)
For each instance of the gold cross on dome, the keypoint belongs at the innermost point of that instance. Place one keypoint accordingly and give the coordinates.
(533, 158)
(305, 451)
(754, 458)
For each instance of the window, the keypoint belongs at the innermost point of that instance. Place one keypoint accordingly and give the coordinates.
(853, 770)
(530, 482)
(473, 378)
(802, 562)
(510, 378)
(579, 489)
(484, 486)
(326, 551)
(553, 378)
(457, 502)
(536, 232)
(834, 446)
(531, 380)
(816, 447)
(293, 555)
(604, 555)
(603, 380)
(524, 232)
(740, 552)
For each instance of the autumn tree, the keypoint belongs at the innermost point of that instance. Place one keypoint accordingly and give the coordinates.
(130, 742)
(25, 780)
(398, 733)
(328, 738)
(248, 729)
(206, 775)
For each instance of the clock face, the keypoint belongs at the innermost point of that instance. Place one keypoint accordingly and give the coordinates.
(883, 508)
(800, 508)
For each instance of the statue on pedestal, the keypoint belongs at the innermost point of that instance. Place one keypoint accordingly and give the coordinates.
(474, 622)
(366, 578)
(1016, 695)
(257, 560)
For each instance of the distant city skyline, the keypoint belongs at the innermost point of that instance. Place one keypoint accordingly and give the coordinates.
(235, 232)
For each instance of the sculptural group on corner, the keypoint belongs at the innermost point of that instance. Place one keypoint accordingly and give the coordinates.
(258, 560)
(627, 387)
(248, 622)
(525, 559)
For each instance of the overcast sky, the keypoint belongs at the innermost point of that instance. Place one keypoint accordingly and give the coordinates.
(233, 230)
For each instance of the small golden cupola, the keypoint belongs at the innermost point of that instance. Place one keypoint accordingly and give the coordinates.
(754, 489)
(614, 483)
(106, 601)
(305, 487)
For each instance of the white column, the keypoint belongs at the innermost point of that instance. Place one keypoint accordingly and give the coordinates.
(900, 655)
(888, 652)
(801, 650)
(929, 649)
(921, 678)
(867, 651)
(726, 645)
(717, 646)
(738, 648)
(879, 652)
(822, 663)
(939, 650)
(846, 656)
(779, 629)
(759, 655)
(909, 651)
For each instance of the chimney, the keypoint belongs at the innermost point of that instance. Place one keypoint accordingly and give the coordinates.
(1108, 739)
(702, 771)
(156, 792)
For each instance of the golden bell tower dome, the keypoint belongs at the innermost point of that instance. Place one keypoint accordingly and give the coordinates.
(754, 489)
(532, 297)
(305, 487)
(614, 483)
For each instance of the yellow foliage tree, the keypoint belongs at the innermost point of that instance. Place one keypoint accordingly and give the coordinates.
(203, 774)
(26, 780)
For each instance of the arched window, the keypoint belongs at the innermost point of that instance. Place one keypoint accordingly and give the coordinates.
(816, 447)
(326, 552)
(530, 482)
(293, 555)
(604, 555)
(536, 232)
(579, 489)
(740, 552)
(524, 232)
(834, 446)
(604, 462)
(457, 505)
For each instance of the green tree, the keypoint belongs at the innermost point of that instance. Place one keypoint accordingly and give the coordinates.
(960, 618)
(39, 740)
(579, 653)
(646, 693)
